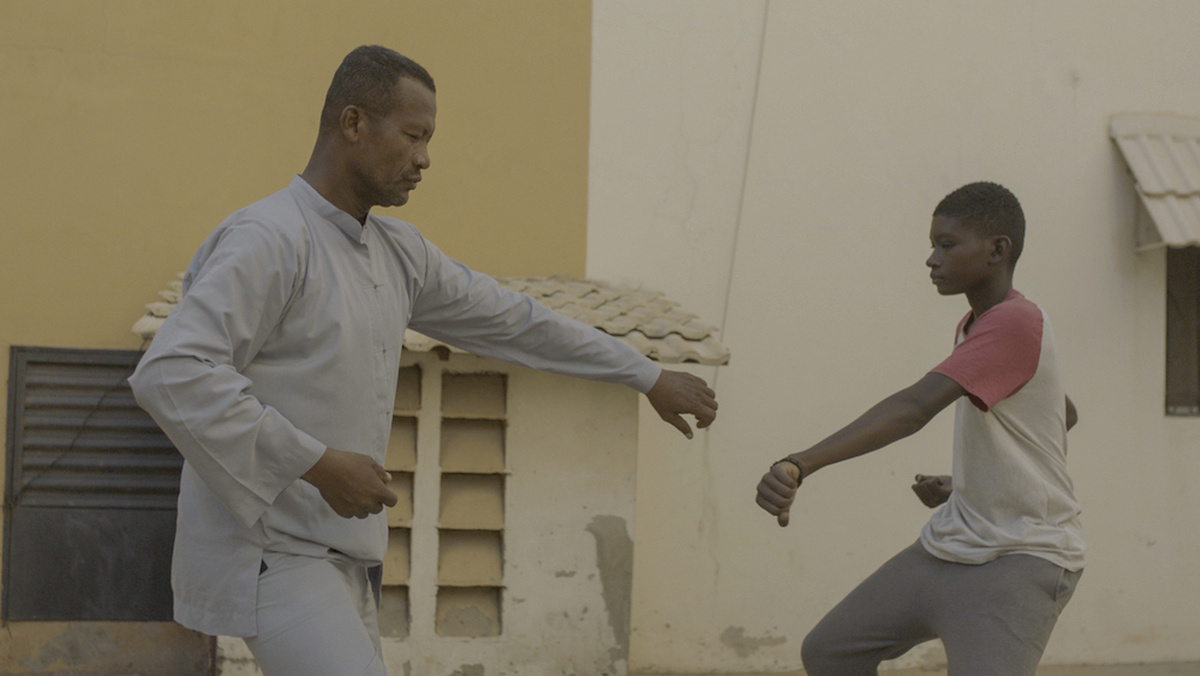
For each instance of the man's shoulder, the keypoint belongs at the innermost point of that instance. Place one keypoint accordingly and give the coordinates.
(270, 228)
(276, 216)
(396, 228)
(282, 207)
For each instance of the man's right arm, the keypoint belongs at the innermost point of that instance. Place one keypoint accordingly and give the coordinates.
(190, 379)
(353, 484)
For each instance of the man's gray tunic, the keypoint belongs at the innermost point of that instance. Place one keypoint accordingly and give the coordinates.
(287, 341)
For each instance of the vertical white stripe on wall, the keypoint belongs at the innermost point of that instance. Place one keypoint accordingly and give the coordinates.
(673, 92)
(673, 88)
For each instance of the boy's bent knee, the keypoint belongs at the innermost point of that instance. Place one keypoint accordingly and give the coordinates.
(814, 657)
(822, 656)
(812, 650)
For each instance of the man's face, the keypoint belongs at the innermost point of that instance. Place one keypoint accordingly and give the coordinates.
(395, 147)
(959, 261)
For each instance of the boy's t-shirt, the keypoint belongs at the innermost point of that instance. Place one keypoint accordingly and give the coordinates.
(1012, 493)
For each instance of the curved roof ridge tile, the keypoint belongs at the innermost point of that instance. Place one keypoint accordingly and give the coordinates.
(646, 320)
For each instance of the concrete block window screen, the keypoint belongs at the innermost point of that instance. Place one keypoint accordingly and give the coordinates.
(472, 501)
(402, 445)
(473, 395)
(401, 462)
(473, 446)
(393, 611)
(470, 612)
(393, 607)
(470, 573)
(455, 500)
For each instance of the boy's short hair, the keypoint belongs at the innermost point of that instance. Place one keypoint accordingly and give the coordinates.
(367, 78)
(990, 209)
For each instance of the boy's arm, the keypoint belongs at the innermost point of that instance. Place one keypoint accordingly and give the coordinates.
(894, 418)
(935, 490)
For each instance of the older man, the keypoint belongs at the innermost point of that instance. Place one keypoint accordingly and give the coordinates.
(276, 373)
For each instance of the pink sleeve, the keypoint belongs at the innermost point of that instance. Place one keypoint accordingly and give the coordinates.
(999, 355)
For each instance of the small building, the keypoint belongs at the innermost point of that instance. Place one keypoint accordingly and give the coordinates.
(511, 549)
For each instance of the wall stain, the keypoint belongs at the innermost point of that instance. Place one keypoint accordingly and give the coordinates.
(469, 621)
(614, 559)
(76, 646)
(1141, 638)
(744, 646)
(469, 670)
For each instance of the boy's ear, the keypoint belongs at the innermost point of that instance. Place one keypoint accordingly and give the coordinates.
(1001, 246)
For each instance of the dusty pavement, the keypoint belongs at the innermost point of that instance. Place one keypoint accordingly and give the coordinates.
(1176, 669)
(1172, 669)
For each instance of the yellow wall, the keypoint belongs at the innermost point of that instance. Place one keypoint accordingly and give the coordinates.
(129, 129)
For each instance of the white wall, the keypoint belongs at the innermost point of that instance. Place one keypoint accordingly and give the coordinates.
(773, 165)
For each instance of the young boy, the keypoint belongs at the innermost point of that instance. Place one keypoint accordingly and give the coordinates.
(1000, 558)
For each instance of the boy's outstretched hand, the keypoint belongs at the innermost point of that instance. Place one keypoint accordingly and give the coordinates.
(676, 393)
(777, 490)
(933, 490)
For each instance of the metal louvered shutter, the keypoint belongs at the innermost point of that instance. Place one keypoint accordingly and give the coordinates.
(91, 491)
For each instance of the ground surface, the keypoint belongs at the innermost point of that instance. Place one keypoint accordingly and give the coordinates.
(1174, 669)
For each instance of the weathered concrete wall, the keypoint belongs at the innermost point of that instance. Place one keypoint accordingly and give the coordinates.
(29, 648)
(566, 525)
(568, 533)
(773, 165)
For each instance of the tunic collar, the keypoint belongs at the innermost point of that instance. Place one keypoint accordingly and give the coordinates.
(343, 221)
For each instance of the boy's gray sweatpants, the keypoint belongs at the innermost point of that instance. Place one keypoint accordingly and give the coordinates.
(993, 618)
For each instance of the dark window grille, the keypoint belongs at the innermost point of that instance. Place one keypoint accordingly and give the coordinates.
(1183, 331)
(91, 492)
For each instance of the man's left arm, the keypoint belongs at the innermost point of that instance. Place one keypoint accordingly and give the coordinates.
(677, 393)
(471, 311)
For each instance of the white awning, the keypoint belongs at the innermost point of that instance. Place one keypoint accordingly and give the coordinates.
(1163, 154)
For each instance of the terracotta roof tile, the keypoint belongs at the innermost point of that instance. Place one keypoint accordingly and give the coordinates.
(646, 320)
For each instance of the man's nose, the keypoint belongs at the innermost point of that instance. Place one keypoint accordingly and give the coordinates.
(421, 157)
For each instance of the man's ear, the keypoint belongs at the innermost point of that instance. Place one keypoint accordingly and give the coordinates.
(1001, 246)
(350, 122)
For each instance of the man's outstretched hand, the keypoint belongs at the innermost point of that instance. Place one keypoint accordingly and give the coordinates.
(354, 485)
(932, 490)
(676, 393)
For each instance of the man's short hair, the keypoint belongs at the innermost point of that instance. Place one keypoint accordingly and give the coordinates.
(990, 209)
(367, 78)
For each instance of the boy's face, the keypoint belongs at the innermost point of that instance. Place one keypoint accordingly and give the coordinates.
(961, 259)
